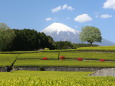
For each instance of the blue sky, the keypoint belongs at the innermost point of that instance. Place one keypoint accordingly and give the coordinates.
(38, 14)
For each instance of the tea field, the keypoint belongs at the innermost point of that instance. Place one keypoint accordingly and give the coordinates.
(57, 78)
(66, 63)
(98, 48)
(53, 78)
(70, 55)
(33, 58)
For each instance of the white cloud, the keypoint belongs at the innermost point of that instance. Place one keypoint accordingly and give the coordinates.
(48, 19)
(109, 4)
(83, 18)
(56, 9)
(67, 7)
(105, 16)
(64, 7)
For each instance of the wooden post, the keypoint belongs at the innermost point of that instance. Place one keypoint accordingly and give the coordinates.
(58, 55)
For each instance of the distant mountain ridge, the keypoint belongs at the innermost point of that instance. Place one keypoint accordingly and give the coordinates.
(61, 32)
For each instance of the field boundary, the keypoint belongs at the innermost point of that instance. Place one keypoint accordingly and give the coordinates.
(54, 68)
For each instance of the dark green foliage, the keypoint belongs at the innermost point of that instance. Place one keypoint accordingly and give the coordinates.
(46, 41)
(27, 39)
(64, 45)
(82, 45)
(6, 36)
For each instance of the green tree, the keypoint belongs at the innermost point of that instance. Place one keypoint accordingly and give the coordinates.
(25, 39)
(64, 45)
(90, 34)
(6, 36)
(46, 41)
(3, 26)
(28, 39)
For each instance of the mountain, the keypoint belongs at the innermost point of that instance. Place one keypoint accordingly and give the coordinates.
(105, 42)
(61, 32)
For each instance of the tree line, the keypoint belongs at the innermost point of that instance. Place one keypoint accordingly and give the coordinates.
(27, 39)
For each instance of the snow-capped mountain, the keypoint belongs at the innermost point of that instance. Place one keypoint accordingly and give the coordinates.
(61, 32)
(59, 27)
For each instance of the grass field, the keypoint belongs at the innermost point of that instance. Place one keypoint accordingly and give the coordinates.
(34, 59)
(84, 55)
(98, 48)
(7, 59)
(73, 63)
(56, 78)
(53, 78)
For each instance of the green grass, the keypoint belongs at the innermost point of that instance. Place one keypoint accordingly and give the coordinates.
(89, 55)
(17, 52)
(53, 78)
(71, 55)
(51, 55)
(50, 74)
(98, 48)
(60, 50)
(7, 59)
(34, 58)
(67, 63)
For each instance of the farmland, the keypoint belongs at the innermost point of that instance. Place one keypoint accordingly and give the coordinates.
(56, 78)
(33, 58)
(53, 78)
(90, 59)
(70, 63)
(98, 48)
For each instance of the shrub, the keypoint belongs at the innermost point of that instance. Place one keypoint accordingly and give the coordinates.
(44, 58)
(102, 60)
(79, 59)
(46, 48)
(62, 57)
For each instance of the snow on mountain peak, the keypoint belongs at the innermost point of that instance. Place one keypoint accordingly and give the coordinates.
(59, 27)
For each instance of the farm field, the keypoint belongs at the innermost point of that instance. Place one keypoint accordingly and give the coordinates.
(7, 59)
(33, 58)
(70, 55)
(53, 78)
(98, 48)
(67, 63)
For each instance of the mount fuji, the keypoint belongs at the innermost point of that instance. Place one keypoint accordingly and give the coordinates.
(61, 32)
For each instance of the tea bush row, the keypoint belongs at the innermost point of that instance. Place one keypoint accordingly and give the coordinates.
(54, 79)
(65, 63)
